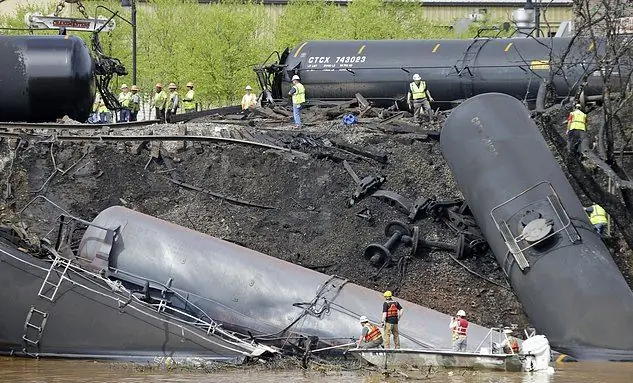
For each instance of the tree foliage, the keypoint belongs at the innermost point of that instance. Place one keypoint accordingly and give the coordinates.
(216, 45)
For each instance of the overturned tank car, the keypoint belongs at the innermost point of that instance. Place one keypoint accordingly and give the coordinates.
(141, 288)
(558, 266)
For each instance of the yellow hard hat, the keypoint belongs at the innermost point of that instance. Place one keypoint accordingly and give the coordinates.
(134, 87)
(172, 86)
(388, 294)
(123, 86)
(190, 84)
(159, 85)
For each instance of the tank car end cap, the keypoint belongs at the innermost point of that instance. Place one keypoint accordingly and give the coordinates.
(536, 230)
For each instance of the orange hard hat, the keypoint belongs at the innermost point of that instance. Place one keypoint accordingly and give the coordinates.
(172, 86)
(134, 87)
(190, 84)
(159, 85)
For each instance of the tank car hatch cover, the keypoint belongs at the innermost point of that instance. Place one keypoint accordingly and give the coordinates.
(537, 229)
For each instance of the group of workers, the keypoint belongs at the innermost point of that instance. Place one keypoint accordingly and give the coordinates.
(167, 104)
(418, 99)
(371, 335)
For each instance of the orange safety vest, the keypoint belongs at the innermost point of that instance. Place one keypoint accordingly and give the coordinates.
(392, 310)
(373, 333)
(514, 344)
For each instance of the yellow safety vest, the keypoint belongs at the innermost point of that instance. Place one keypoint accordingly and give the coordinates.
(102, 107)
(578, 120)
(418, 92)
(598, 215)
(125, 98)
(189, 102)
(300, 94)
(160, 99)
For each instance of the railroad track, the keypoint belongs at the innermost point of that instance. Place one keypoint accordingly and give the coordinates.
(56, 126)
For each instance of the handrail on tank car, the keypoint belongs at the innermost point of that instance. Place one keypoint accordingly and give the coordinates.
(564, 225)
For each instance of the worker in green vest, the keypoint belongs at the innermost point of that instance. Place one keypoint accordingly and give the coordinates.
(418, 98)
(189, 101)
(125, 99)
(576, 130)
(298, 93)
(135, 103)
(598, 218)
(173, 102)
(159, 102)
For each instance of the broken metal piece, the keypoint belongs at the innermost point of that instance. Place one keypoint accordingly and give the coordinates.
(381, 254)
(366, 215)
(393, 199)
(364, 186)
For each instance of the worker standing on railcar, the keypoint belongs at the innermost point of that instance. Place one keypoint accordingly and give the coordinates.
(391, 314)
(598, 218)
(160, 101)
(576, 130)
(189, 101)
(125, 98)
(298, 94)
(173, 102)
(459, 328)
(135, 103)
(418, 98)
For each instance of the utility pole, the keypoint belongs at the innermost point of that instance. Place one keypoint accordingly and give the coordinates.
(132, 4)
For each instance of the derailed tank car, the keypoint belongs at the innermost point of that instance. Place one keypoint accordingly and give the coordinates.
(44, 78)
(558, 266)
(454, 70)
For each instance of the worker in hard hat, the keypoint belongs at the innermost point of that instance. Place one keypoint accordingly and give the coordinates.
(125, 99)
(159, 102)
(249, 100)
(510, 344)
(172, 101)
(576, 131)
(102, 110)
(135, 103)
(298, 93)
(418, 98)
(459, 328)
(391, 313)
(370, 336)
(598, 218)
(189, 101)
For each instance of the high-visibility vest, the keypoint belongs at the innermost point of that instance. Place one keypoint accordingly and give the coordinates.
(102, 107)
(392, 309)
(418, 92)
(249, 100)
(578, 120)
(189, 102)
(598, 215)
(373, 333)
(299, 97)
(461, 329)
(513, 344)
(160, 99)
(135, 102)
(125, 99)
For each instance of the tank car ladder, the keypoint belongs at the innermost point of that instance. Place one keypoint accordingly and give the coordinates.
(549, 227)
(51, 275)
(33, 328)
(470, 54)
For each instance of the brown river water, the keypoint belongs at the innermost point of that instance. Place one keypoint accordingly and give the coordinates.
(50, 370)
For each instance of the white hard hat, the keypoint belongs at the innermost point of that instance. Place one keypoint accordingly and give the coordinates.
(295, 77)
(363, 319)
(461, 313)
(578, 106)
(416, 77)
(507, 331)
(248, 87)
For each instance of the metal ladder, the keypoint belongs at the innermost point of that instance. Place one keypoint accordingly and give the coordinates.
(470, 54)
(64, 263)
(33, 328)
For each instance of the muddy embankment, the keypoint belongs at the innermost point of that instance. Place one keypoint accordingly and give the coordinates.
(309, 223)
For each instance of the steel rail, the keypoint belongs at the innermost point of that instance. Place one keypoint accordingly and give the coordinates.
(54, 125)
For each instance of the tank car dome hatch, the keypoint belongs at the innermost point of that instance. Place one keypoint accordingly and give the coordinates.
(537, 230)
